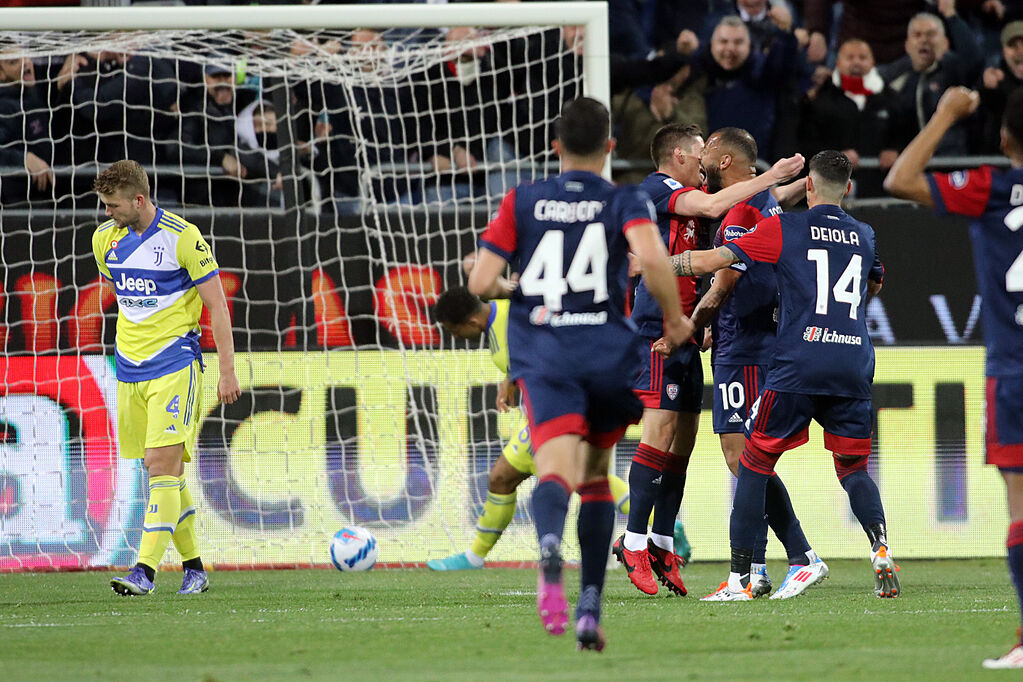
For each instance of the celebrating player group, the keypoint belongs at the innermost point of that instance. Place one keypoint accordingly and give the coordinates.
(790, 342)
(784, 315)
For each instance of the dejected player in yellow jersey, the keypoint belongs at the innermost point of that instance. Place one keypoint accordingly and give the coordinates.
(162, 272)
(464, 315)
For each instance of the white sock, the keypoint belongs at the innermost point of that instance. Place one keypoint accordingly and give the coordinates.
(757, 568)
(663, 541)
(475, 560)
(812, 556)
(735, 582)
(634, 541)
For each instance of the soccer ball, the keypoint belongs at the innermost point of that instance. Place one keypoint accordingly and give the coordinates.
(353, 549)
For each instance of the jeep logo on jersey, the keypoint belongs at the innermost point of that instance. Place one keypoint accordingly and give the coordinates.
(139, 284)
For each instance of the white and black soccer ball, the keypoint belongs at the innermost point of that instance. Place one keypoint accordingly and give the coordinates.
(353, 548)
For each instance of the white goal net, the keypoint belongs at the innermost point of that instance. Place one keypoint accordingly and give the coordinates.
(340, 175)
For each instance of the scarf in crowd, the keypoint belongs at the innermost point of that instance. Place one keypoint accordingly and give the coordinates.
(858, 88)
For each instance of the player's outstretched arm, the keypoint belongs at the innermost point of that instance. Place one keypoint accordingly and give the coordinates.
(697, 263)
(646, 243)
(906, 179)
(791, 194)
(212, 294)
(715, 205)
(485, 279)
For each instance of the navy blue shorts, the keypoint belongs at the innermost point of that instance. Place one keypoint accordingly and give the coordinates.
(674, 383)
(780, 421)
(1004, 433)
(599, 409)
(736, 387)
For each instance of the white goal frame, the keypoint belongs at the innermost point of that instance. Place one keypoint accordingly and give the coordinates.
(592, 16)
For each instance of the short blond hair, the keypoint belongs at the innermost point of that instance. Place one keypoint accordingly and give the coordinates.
(123, 176)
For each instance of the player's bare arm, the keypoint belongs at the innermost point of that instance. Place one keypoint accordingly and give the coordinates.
(873, 288)
(646, 243)
(906, 179)
(715, 205)
(507, 284)
(507, 394)
(791, 194)
(486, 280)
(697, 263)
(212, 294)
(719, 292)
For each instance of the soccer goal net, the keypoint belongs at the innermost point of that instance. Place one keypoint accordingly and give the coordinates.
(341, 161)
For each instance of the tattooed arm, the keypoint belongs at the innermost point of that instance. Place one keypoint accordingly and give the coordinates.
(697, 263)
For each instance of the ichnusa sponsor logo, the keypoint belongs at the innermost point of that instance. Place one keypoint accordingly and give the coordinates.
(825, 335)
(540, 316)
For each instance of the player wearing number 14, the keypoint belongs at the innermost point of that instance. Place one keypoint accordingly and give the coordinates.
(823, 364)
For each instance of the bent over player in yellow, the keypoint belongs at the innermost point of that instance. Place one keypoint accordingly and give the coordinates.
(162, 272)
(464, 315)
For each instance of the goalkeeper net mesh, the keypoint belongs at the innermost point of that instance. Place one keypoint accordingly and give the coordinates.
(340, 177)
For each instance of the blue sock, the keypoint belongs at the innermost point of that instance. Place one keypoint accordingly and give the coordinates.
(782, 519)
(669, 499)
(864, 497)
(747, 509)
(595, 527)
(1015, 547)
(645, 469)
(550, 506)
(760, 549)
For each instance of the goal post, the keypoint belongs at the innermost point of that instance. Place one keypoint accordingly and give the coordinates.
(334, 231)
(592, 16)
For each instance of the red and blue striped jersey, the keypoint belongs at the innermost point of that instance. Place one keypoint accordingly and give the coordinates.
(566, 237)
(994, 199)
(823, 259)
(744, 330)
(680, 233)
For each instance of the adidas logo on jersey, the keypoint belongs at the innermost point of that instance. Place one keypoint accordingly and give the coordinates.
(657, 481)
(170, 429)
(735, 418)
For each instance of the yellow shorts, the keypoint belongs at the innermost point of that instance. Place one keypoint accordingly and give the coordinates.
(158, 412)
(519, 450)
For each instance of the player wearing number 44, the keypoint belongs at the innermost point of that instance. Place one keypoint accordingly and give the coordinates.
(994, 200)
(823, 364)
(162, 272)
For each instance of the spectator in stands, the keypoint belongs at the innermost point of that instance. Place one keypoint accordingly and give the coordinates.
(640, 29)
(679, 99)
(34, 122)
(377, 115)
(209, 138)
(742, 86)
(996, 84)
(766, 21)
(123, 108)
(851, 111)
(928, 69)
(882, 23)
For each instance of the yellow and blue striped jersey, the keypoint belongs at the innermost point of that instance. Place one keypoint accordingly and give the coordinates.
(154, 277)
(497, 333)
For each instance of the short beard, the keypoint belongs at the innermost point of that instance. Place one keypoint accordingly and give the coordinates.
(713, 180)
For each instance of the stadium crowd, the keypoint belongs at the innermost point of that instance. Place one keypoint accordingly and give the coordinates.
(800, 75)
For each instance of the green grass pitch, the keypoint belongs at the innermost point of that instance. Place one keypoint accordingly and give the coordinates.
(482, 625)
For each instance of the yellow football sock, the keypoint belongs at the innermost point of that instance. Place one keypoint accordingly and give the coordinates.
(185, 538)
(161, 518)
(498, 512)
